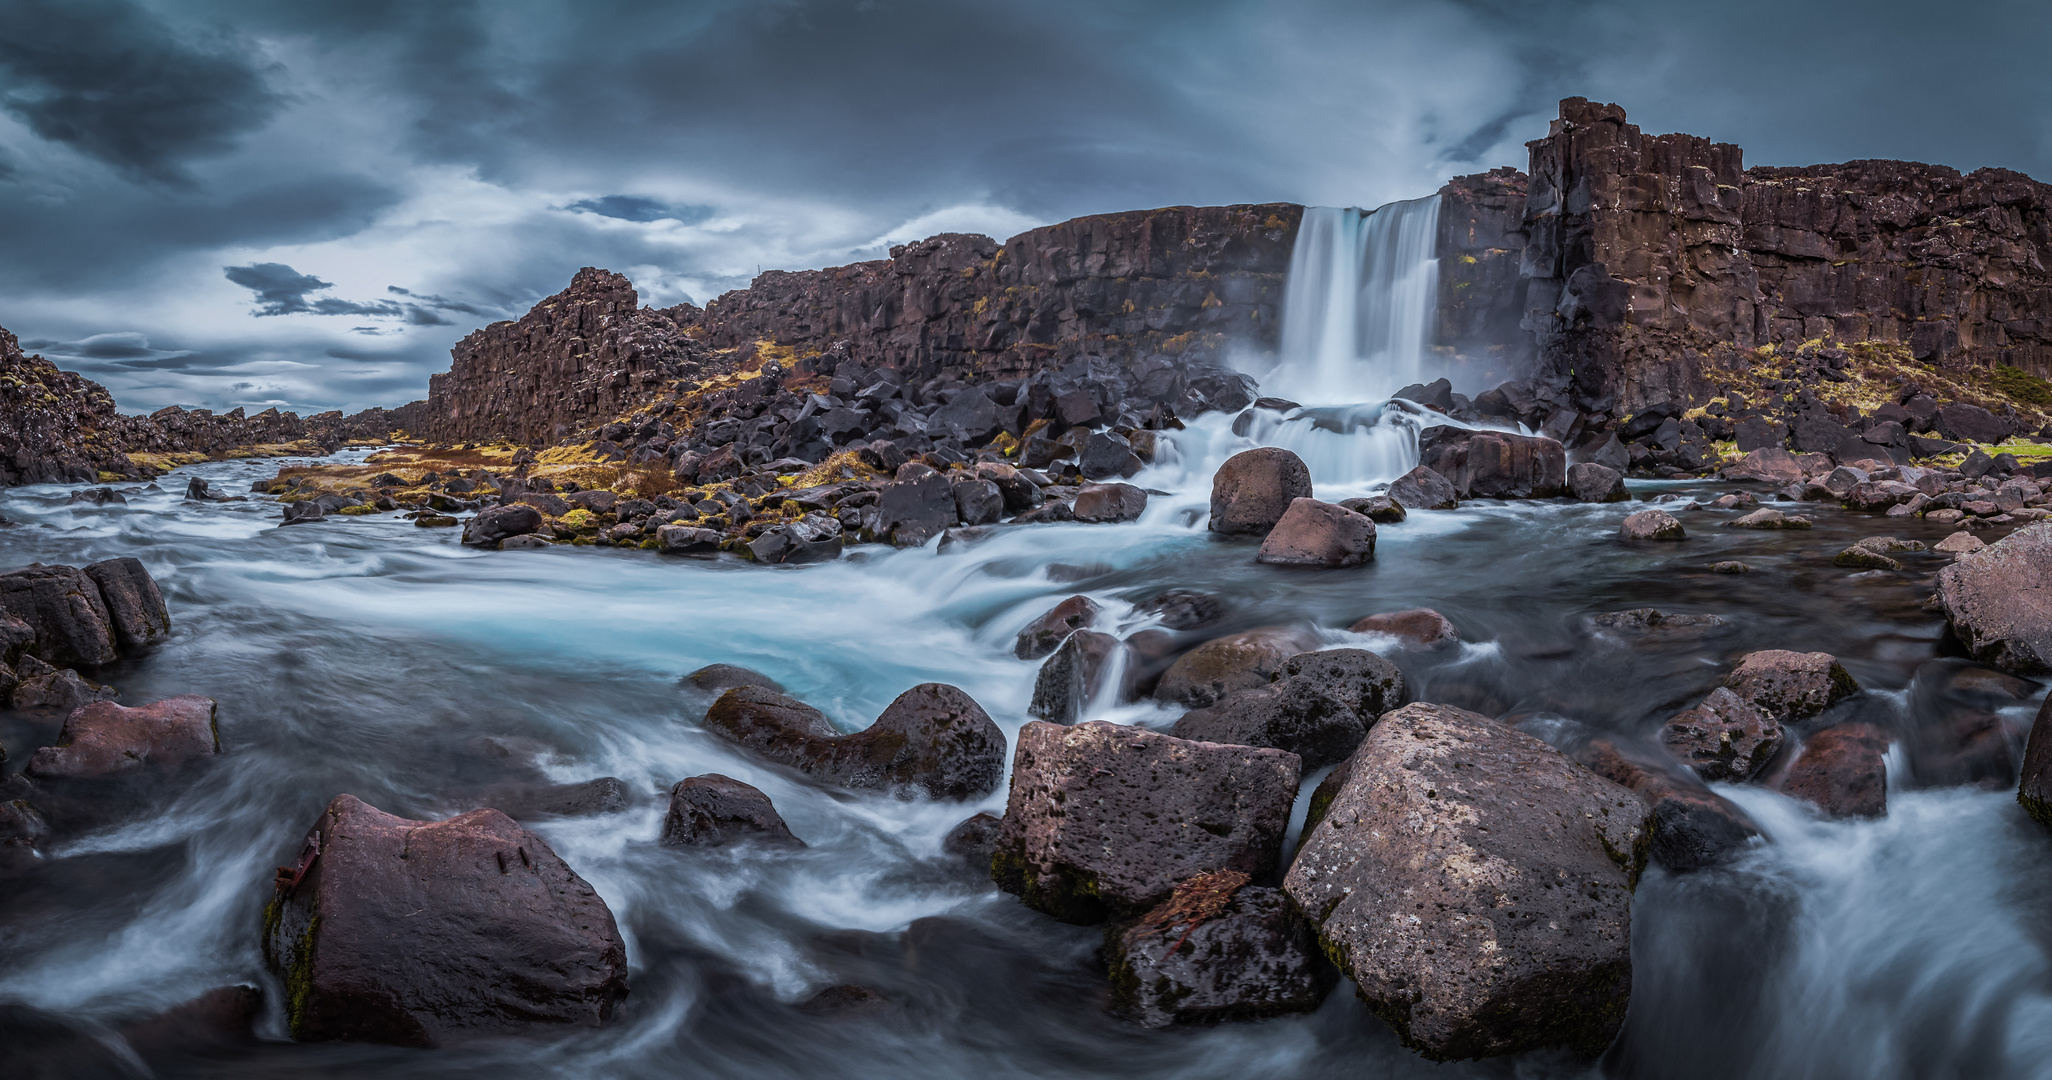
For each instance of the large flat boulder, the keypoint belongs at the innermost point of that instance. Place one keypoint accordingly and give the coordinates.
(1495, 464)
(64, 608)
(1477, 886)
(1319, 707)
(102, 740)
(1786, 686)
(1250, 492)
(1999, 600)
(1103, 820)
(933, 740)
(1313, 533)
(425, 932)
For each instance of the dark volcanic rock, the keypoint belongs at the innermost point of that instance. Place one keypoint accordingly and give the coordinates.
(65, 610)
(1074, 676)
(1319, 707)
(1593, 483)
(974, 840)
(1844, 770)
(1043, 635)
(62, 689)
(1380, 509)
(911, 512)
(1723, 738)
(1239, 661)
(933, 739)
(1105, 455)
(1693, 827)
(2034, 791)
(714, 678)
(1104, 820)
(499, 522)
(1420, 878)
(1998, 600)
(422, 932)
(1252, 490)
(1423, 489)
(1364, 681)
(103, 740)
(135, 607)
(1494, 464)
(714, 810)
(1788, 686)
(1098, 503)
(1255, 957)
(1313, 533)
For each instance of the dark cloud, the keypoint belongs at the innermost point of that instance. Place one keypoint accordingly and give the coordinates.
(638, 209)
(281, 290)
(115, 82)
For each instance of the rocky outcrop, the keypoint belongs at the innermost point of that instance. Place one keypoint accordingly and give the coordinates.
(1494, 464)
(1421, 876)
(421, 932)
(1104, 820)
(933, 740)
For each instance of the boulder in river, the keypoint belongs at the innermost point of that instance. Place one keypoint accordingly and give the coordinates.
(1074, 676)
(1218, 949)
(1105, 820)
(973, 840)
(1652, 525)
(718, 678)
(1693, 827)
(1788, 686)
(1476, 885)
(915, 509)
(1483, 464)
(715, 810)
(1843, 769)
(934, 739)
(1102, 503)
(40, 686)
(421, 932)
(64, 608)
(103, 740)
(135, 606)
(496, 523)
(1999, 601)
(1423, 489)
(1319, 707)
(1313, 533)
(1252, 490)
(1593, 483)
(1380, 509)
(2034, 791)
(1421, 628)
(1044, 634)
(1239, 661)
(1723, 738)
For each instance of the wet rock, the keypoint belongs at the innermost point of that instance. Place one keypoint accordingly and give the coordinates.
(1999, 601)
(974, 840)
(978, 502)
(1767, 517)
(1074, 676)
(1652, 525)
(716, 678)
(1104, 820)
(1255, 956)
(1494, 464)
(1252, 490)
(1860, 558)
(2033, 791)
(436, 521)
(224, 1017)
(1639, 622)
(1843, 769)
(1421, 628)
(1363, 680)
(1181, 609)
(715, 810)
(530, 542)
(65, 610)
(1099, 503)
(23, 830)
(912, 511)
(542, 801)
(1787, 686)
(499, 522)
(1241, 661)
(1593, 483)
(421, 932)
(933, 739)
(1423, 489)
(1769, 464)
(1106, 454)
(103, 740)
(1419, 877)
(99, 496)
(1693, 827)
(1313, 533)
(135, 607)
(1730, 566)
(1044, 634)
(811, 539)
(1723, 738)
(40, 686)
(689, 540)
(1298, 717)
(1380, 509)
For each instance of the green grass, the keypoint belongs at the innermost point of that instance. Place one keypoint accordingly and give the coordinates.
(2022, 386)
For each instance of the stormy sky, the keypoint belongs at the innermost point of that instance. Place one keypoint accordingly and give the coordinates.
(243, 202)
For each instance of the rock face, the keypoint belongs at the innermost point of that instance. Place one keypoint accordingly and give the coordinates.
(1254, 488)
(1313, 533)
(1239, 661)
(102, 740)
(1788, 686)
(1999, 600)
(1103, 821)
(1724, 738)
(1844, 770)
(1423, 880)
(1494, 464)
(419, 932)
(714, 810)
(934, 739)
(1255, 957)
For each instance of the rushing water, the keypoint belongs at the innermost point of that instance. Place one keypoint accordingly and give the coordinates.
(1359, 303)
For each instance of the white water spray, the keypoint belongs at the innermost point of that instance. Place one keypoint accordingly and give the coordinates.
(1359, 304)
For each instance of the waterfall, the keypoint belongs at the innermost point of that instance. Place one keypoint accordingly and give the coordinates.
(1359, 303)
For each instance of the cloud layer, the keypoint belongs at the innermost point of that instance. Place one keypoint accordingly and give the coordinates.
(234, 202)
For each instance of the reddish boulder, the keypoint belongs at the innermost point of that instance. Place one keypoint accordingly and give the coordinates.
(1843, 770)
(1313, 533)
(1252, 490)
(933, 739)
(1421, 628)
(104, 740)
(1104, 820)
(1723, 738)
(1239, 661)
(1788, 686)
(1495, 464)
(1043, 635)
(135, 606)
(714, 810)
(419, 933)
(1999, 600)
(1423, 489)
(1100, 503)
